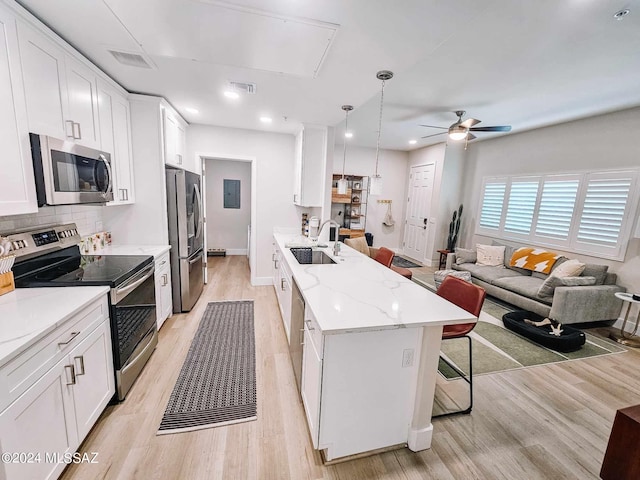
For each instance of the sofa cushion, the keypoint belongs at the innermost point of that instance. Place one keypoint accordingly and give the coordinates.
(571, 268)
(508, 252)
(490, 255)
(525, 286)
(486, 273)
(465, 255)
(548, 287)
(597, 271)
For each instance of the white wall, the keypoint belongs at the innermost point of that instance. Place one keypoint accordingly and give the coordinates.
(602, 142)
(392, 165)
(86, 217)
(274, 166)
(227, 227)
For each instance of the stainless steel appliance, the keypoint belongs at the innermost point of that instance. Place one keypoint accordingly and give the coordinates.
(296, 333)
(67, 173)
(186, 237)
(50, 257)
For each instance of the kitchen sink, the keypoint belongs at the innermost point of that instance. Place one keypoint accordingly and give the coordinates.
(308, 256)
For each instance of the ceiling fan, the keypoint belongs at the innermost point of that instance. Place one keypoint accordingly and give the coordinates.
(461, 130)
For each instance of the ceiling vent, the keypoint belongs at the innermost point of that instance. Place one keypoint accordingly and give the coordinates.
(249, 88)
(132, 59)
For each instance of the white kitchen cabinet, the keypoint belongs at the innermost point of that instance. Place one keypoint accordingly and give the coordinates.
(55, 391)
(115, 135)
(282, 283)
(61, 92)
(17, 188)
(311, 383)
(310, 159)
(164, 298)
(82, 93)
(174, 140)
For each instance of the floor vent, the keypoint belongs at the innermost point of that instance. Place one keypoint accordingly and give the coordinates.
(217, 252)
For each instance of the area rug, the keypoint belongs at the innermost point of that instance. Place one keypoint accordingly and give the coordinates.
(403, 262)
(217, 383)
(496, 349)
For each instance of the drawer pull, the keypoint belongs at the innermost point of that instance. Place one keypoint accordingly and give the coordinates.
(73, 374)
(81, 369)
(73, 335)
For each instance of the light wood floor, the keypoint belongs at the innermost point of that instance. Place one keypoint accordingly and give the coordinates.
(542, 422)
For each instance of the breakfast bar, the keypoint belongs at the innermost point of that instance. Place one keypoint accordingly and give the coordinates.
(370, 354)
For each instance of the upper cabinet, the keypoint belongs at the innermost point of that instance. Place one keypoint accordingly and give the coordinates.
(174, 130)
(82, 92)
(115, 135)
(310, 156)
(17, 188)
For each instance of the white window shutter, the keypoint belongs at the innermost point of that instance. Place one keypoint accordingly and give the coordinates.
(521, 207)
(556, 208)
(492, 204)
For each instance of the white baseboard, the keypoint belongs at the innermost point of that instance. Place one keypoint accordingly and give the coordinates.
(237, 251)
(260, 281)
(420, 439)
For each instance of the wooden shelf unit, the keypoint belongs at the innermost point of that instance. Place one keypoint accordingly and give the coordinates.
(350, 209)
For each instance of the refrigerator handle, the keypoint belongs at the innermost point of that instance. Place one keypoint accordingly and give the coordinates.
(199, 200)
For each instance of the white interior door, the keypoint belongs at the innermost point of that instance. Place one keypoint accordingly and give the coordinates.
(416, 228)
(203, 185)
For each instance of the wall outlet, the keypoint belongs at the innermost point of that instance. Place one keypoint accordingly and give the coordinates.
(407, 357)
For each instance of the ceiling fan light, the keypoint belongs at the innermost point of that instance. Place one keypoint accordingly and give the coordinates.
(342, 186)
(458, 133)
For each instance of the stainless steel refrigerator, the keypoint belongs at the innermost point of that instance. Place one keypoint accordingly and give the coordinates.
(186, 236)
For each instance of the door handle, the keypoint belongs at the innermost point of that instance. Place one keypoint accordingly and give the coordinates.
(66, 132)
(282, 284)
(73, 335)
(73, 374)
(79, 137)
(81, 369)
(302, 336)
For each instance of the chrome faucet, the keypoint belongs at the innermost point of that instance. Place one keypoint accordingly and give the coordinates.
(336, 245)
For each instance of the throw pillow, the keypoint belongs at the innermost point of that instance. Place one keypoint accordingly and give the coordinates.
(534, 259)
(508, 252)
(598, 271)
(548, 287)
(492, 256)
(570, 268)
(465, 255)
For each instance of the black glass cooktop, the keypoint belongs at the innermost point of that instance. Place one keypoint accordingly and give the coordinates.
(68, 268)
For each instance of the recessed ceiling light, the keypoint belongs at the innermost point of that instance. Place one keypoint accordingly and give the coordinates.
(621, 14)
(348, 135)
(266, 119)
(191, 110)
(231, 94)
(412, 142)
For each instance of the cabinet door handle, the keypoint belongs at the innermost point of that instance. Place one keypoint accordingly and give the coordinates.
(282, 284)
(126, 194)
(81, 369)
(273, 257)
(163, 262)
(165, 280)
(179, 158)
(79, 136)
(73, 335)
(68, 123)
(73, 374)
(309, 327)
(275, 264)
(302, 336)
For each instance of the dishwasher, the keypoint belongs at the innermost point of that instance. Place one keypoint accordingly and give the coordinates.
(296, 333)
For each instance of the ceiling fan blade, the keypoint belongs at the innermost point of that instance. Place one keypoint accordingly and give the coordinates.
(497, 128)
(434, 135)
(469, 122)
(470, 136)
(434, 126)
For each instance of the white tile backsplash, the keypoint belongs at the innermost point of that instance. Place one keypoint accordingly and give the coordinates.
(85, 217)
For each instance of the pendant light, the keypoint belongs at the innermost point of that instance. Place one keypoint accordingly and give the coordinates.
(342, 183)
(375, 185)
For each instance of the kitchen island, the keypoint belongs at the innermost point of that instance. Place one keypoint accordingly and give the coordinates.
(370, 354)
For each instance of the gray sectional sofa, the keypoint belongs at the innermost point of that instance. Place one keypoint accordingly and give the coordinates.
(569, 304)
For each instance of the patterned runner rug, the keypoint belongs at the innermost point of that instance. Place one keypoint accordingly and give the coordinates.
(217, 383)
(403, 262)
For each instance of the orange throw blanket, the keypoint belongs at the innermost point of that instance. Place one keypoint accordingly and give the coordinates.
(534, 259)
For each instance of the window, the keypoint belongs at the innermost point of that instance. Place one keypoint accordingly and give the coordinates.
(589, 213)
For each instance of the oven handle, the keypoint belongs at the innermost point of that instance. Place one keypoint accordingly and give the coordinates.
(121, 292)
(110, 185)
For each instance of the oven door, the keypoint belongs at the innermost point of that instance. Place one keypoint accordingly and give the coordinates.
(133, 306)
(67, 173)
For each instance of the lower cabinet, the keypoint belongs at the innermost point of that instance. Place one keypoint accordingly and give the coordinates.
(282, 281)
(311, 382)
(164, 298)
(49, 421)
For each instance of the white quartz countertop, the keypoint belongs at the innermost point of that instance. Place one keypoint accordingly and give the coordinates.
(28, 314)
(155, 250)
(358, 293)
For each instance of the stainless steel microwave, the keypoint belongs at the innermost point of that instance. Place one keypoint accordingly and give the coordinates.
(67, 173)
